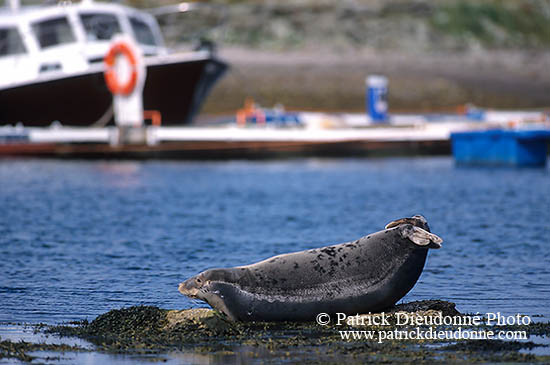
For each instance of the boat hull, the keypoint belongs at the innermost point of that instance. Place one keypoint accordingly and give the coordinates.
(176, 89)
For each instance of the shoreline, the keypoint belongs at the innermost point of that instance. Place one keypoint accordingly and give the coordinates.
(165, 335)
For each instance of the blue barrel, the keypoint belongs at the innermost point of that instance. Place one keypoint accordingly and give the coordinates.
(377, 98)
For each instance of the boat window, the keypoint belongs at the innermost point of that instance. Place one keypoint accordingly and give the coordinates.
(143, 33)
(10, 42)
(53, 32)
(100, 26)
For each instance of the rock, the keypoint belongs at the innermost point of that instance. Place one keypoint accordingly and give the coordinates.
(446, 308)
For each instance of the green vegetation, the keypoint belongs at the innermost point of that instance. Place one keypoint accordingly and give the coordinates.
(505, 24)
(389, 24)
(395, 24)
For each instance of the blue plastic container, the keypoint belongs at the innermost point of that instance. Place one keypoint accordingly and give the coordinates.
(501, 147)
(377, 98)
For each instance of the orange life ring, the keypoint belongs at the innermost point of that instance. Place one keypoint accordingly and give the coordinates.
(111, 77)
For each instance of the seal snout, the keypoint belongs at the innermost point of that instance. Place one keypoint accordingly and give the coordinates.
(190, 287)
(181, 288)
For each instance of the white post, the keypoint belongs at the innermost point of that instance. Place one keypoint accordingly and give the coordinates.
(127, 79)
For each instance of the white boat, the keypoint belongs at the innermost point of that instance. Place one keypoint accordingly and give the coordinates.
(52, 69)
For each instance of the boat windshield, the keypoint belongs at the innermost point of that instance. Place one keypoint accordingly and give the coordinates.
(100, 26)
(144, 34)
(10, 42)
(53, 32)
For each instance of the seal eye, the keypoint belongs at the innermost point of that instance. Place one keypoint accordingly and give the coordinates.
(199, 280)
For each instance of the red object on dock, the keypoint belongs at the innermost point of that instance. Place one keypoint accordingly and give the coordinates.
(154, 115)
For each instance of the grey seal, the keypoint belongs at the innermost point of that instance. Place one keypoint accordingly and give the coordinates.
(366, 275)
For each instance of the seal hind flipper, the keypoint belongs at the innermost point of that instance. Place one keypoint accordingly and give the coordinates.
(420, 236)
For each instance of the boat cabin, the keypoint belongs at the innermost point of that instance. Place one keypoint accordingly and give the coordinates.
(39, 42)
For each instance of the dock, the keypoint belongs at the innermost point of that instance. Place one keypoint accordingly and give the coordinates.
(320, 135)
(230, 142)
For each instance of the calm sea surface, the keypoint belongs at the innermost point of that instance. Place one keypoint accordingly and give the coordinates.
(78, 238)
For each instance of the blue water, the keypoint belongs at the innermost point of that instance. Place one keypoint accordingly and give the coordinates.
(78, 238)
